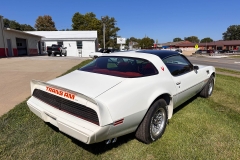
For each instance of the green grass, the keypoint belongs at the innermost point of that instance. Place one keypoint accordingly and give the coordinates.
(199, 129)
(228, 71)
(234, 57)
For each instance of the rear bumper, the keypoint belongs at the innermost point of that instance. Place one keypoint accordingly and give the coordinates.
(80, 129)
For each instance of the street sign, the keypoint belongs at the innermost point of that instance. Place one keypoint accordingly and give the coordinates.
(196, 46)
(121, 40)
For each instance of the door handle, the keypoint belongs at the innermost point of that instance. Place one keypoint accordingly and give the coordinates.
(178, 83)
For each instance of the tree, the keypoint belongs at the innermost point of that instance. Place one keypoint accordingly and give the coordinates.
(134, 42)
(11, 24)
(177, 39)
(90, 22)
(206, 40)
(232, 33)
(146, 42)
(45, 23)
(192, 39)
(26, 27)
(15, 25)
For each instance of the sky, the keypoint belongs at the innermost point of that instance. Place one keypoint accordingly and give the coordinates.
(159, 20)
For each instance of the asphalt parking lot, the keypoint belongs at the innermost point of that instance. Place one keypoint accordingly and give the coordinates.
(17, 72)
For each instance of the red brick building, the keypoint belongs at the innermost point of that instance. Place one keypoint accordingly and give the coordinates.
(219, 45)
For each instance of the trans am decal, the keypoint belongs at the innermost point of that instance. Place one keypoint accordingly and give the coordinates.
(60, 93)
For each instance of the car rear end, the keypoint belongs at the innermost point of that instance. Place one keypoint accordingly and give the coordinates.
(72, 113)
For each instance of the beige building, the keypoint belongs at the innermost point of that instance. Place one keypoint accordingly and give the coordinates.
(17, 43)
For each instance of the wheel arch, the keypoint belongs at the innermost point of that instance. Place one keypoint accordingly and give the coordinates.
(214, 76)
(168, 98)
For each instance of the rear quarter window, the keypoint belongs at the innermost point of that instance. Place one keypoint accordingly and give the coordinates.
(126, 67)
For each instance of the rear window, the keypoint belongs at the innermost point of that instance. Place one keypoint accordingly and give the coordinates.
(121, 67)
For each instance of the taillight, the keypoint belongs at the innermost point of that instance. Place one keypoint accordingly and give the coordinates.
(118, 122)
(59, 49)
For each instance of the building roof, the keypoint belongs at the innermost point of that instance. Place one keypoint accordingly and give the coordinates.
(22, 32)
(215, 43)
(66, 35)
(173, 43)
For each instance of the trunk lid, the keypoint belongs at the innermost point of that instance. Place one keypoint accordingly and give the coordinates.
(87, 83)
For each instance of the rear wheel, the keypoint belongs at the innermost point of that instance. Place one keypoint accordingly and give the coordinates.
(65, 54)
(208, 88)
(154, 123)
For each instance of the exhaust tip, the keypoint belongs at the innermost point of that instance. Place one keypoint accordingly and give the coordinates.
(108, 141)
(114, 140)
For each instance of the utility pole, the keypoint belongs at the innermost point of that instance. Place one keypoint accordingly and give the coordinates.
(103, 21)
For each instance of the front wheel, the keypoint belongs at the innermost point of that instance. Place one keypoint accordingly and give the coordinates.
(154, 123)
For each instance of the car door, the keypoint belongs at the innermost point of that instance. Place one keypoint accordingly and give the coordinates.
(187, 79)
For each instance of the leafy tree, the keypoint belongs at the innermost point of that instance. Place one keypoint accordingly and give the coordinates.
(45, 23)
(15, 25)
(146, 42)
(177, 39)
(206, 40)
(65, 29)
(133, 39)
(232, 33)
(90, 22)
(11, 24)
(192, 39)
(26, 27)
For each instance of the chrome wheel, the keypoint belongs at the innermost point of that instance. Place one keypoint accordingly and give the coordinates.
(158, 123)
(210, 87)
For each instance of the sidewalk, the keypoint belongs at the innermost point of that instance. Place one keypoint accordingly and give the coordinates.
(16, 74)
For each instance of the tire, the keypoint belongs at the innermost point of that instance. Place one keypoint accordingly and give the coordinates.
(49, 54)
(54, 54)
(208, 88)
(154, 123)
(60, 54)
(65, 54)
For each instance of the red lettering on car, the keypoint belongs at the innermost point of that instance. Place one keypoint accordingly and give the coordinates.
(60, 93)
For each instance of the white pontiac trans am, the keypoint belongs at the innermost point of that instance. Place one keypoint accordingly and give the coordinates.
(120, 93)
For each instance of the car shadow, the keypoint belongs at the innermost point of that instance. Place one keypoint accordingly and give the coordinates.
(102, 147)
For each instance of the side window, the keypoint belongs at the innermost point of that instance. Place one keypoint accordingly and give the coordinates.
(178, 65)
(79, 44)
(60, 42)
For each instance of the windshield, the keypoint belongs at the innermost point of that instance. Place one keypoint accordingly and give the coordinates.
(126, 67)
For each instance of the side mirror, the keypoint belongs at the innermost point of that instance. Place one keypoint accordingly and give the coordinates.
(195, 67)
(65, 47)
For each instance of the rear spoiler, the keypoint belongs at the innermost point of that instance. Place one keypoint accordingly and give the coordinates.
(59, 91)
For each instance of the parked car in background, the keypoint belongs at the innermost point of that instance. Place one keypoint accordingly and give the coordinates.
(107, 50)
(178, 50)
(120, 93)
(200, 51)
(56, 50)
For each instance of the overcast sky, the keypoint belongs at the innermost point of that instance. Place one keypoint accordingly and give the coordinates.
(159, 20)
